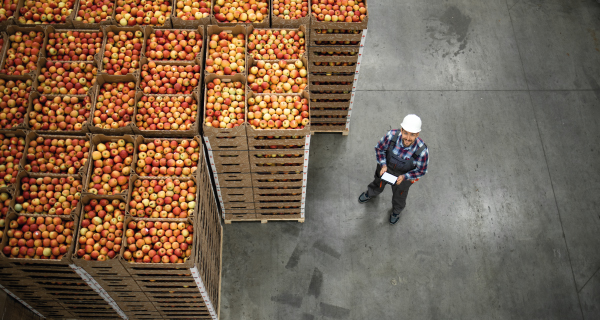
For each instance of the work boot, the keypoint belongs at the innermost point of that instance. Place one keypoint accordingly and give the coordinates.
(394, 217)
(363, 198)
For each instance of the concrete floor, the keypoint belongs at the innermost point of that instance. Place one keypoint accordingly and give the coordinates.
(506, 223)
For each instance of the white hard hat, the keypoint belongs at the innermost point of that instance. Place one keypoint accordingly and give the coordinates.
(411, 123)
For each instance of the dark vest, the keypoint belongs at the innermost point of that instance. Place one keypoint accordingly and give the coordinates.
(396, 165)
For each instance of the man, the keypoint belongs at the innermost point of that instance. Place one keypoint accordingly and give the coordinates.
(403, 154)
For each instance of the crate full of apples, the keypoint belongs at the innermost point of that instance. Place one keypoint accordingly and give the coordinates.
(226, 50)
(51, 194)
(72, 45)
(165, 198)
(167, 157)
(122, 47)
(57, 154)
(168, 115)
(191, 13)
(23, 49)
(159, 243)
(347, 39)
(339, 14)
(170, 77)
(144, 12)
(12, 150)
(229, 12)
(100, 237)
(93, 14)
(282, 76)
(51, 12)
(14, 101)
(111, 166)
(66, 77)
(68, 113)
(174, 44)
(290, 13)
(277, 44)
(272, 114)
(38, 239)
(225, 102)
(114, 106)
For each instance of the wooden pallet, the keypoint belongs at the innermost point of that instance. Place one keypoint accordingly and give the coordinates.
(229, 218)
(343, 132)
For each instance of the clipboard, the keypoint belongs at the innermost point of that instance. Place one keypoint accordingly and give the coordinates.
(389, 178)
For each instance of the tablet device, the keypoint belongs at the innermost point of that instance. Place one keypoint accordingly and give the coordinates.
(389, 178)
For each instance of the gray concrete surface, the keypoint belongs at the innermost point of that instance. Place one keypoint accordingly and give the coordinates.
(506, 223)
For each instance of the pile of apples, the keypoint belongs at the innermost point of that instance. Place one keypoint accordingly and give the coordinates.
(277, 112)
(57, 155)
(290, 9)
(192, 10)
(167, 79)
(66, 113)
(279, 77)
(14, 100)
(4, 206)
(225, 104)
(111, 167)
(241, 11)
(45, 11)
(161, 158)
(158, 242)
(38, 238)
(174, 45)
(75, 78)
(268, 44)
(23, 53)
(166, 113)
(162, 198)
(101, 232)
(91, 11)
(142, 12)
(8, 9)
(226, 54)
(11, 152)
(115, 105)
(122, 52)
(339, 10)
(53, 196)
(73, 45)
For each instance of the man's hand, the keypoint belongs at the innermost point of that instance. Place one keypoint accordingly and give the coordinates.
(383, 170)
(400, 179)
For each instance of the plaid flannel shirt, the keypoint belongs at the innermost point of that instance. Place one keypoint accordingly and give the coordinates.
(405, 153)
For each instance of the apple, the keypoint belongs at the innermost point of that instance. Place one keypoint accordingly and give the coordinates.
(45, 11)
(23, 53)
(167, 157)
(278, 112)
(111, 167)
(162, 198)
(59, 113)
(173, 45)
(73, 45)
(172, 242)
(192, 10)
(225, 104)
(241, 11)
(75, 78)
(278, 77)
(57, 155)
(290, 9)
(48, 195)
(169, 79)
(166, 113)
(122, 51)
(53, 243)
(273, 44)
(339, 10)
(101, 229)
(226, 54)
(115, 105)
(11, 152)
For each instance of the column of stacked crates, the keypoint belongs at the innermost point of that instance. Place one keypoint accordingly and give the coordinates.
(260, 175)
(335, 54)
(74, 278)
